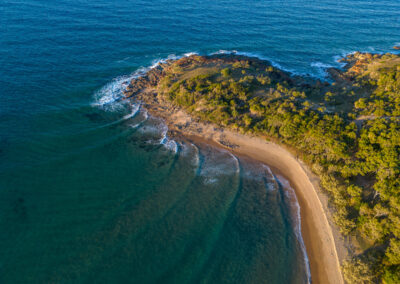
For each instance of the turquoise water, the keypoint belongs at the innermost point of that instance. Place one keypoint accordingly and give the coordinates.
(91, 190)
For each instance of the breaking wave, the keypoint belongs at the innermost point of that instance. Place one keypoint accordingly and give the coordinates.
(259, 56)
(145, 117)
(271, 181)
(294, 205)
(111, 96)
(321, 68)
(134, 111)
(217, 163)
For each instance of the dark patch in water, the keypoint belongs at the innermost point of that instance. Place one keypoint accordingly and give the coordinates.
(95, 117)
(163, 163)
(144, 144)
(148, 147)
(3, 144)
(20, 210)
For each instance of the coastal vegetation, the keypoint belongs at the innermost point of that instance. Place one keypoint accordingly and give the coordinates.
(347, 131)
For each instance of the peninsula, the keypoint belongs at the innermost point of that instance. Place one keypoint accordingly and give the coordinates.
(337, 143)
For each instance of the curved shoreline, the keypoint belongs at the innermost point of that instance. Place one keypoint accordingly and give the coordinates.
(250, 96)
(316, 230)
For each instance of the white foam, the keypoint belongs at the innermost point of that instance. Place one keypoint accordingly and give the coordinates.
(291, 195)
(163, 128)
(273, 63)
(235, 159)
(223, 51)
(159, 61)
(196, 158)
(145, 114)
(256, 55)
(190, 54)
(320, 65)
(218, 163)
(343, 54)
(191, 151)
(136, 125)
(268, 169)
(260, 173)
(134, 111)
(156, 62)
(171, 145)
(272, 184)
(210, 180)
(159, 127)
(337, 59)
(145, 117)
(110, 97)
(321, 68)
(168, 143)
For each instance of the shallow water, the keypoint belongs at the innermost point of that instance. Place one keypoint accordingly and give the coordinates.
(92, 189)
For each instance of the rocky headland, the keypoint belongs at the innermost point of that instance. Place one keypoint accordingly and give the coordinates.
(338, 143)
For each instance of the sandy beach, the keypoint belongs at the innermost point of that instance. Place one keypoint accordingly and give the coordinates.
(323, 242)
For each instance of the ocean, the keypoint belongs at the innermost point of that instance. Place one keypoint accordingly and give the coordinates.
(92, 189)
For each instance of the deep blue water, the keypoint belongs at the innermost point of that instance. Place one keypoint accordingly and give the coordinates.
(89, 194)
